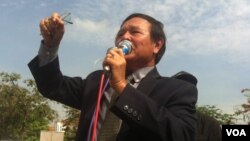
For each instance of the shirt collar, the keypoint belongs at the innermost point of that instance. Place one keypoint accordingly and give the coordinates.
(141, 73)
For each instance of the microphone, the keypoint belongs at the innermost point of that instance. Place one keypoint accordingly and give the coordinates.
(126, 47)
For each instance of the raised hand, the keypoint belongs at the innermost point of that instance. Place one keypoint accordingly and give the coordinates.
(52, 30)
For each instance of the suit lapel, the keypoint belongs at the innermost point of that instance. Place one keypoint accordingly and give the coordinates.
(148, 83)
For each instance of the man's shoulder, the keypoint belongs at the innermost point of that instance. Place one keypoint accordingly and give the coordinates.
(172, 80)
(96, 75)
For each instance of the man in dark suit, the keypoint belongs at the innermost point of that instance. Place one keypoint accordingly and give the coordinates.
(152, 108)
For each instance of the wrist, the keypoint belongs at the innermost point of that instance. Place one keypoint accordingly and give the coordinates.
(49, 44)
(119, 86)
(46, 44)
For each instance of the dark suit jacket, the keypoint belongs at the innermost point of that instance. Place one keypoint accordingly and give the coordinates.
(160, 109)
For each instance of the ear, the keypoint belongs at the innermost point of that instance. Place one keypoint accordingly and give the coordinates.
(158, 45)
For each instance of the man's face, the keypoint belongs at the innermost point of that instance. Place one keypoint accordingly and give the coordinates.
(137, 30)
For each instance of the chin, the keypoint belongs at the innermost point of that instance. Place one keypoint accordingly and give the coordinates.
(129, 57)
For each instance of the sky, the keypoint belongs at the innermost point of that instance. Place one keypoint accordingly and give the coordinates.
(209, 39)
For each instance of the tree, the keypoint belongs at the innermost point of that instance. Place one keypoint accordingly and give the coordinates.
(216, 113)
(71, 123)
(244, 109)
(24, 112)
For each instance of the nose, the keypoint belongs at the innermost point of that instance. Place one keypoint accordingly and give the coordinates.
(124, 36)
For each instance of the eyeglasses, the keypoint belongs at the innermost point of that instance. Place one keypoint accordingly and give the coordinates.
(66, 17)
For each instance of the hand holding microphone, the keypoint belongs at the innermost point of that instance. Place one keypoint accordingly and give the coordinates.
(126, 47)
(115, 64)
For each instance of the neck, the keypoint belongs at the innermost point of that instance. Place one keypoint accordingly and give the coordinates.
(129, 71)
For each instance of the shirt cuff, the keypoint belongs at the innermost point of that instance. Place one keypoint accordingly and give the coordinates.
(46, 54)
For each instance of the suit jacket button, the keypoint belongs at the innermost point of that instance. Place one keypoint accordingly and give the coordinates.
(125, 107)
(130, 110)
(135, 113)
(139, 117)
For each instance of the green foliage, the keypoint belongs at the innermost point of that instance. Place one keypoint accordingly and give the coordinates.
(215, 112)
(24, 112)
(71, 122)
(244, 110)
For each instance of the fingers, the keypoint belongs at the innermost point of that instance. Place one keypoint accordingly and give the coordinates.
(51, 24)
(44, 29)
(56, 18)
(115, 52)
(114, 57)
(52, 29)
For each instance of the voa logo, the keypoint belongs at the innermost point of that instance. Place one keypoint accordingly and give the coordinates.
(236, 132)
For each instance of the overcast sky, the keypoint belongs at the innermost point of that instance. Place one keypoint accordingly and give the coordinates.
(209, 39)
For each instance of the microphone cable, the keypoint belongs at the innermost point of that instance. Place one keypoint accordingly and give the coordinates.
(94, 120)
(126, 47)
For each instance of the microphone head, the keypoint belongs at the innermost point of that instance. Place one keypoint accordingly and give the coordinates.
(126, 46)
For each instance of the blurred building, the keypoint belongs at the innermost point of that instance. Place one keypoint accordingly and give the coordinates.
(54, 133)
